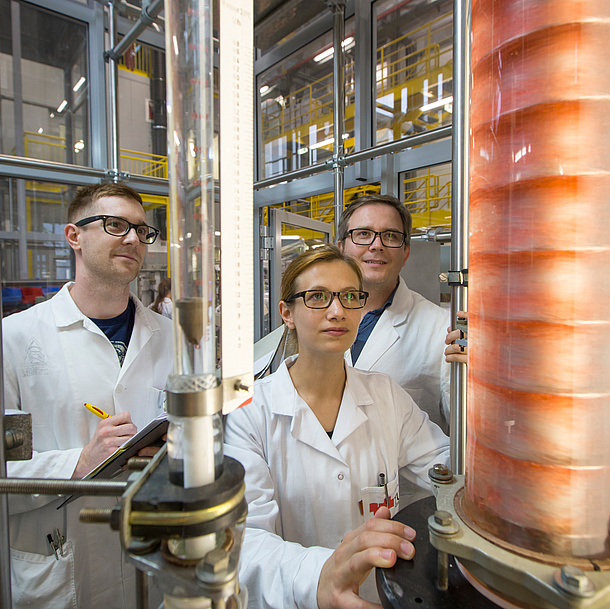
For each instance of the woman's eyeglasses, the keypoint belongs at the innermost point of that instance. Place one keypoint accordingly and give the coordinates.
(322, 299)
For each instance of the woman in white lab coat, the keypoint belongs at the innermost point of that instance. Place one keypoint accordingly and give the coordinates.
(322, 444)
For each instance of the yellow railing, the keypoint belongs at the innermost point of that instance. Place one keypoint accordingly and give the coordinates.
(45, 147)
(427, 196)
(396, 64)
(53, 148)
(138, 58)
(416, 53)
(143, 163)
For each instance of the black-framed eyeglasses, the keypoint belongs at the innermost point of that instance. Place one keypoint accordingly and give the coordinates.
(322, 299)
(119, 227)
(365, 236)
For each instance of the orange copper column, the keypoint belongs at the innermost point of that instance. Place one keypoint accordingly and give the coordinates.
(538, 456)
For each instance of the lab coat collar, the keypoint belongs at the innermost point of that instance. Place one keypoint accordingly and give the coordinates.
(305, 426)
(66, 313)
(387, 331)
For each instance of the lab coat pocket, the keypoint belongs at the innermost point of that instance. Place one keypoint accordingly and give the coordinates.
(374, 497)
(156, 398)
(43, 581)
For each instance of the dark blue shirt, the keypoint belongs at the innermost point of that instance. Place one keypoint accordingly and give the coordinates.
(118, 329)
(369, 321)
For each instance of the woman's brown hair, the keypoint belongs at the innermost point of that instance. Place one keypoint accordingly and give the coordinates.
(165, 287)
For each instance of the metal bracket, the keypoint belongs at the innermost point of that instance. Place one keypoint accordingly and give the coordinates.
(17, 435)
(459, 278)
(266, 246)
(517, 576)
(237, 387)
(115, 176)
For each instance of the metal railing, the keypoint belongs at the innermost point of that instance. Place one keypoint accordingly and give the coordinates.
(52, 148)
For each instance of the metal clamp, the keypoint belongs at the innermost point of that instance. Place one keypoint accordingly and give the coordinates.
(458, 278)
(116, 176)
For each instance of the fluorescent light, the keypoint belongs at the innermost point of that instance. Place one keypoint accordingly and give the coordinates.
(437, 104)
(217, 233)
(82, 80)
(330, 140)
(324, 55)
(348, 43)
(290, 237)
(40, 129)
(302, 150)
(62, 105)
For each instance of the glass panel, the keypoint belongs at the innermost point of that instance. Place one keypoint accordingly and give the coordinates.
(142, 115)
(414, 86)
(427, 194)
(296, 102)
(34, 254)
(44, 102)
(35, 259)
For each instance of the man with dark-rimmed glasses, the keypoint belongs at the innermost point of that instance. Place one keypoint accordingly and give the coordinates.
(95, 343)
(401, 333)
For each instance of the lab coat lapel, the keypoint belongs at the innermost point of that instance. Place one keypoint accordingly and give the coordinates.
(304, 425)
(352, 413)
(143, 327)
(387, 330)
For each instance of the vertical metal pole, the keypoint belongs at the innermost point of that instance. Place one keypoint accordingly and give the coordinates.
(113, 105)
(19, 137)
(338, 106)
(141, 589)
(5, 553)
(459, 216)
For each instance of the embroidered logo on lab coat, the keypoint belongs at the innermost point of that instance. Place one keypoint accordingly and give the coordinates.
(35, 362)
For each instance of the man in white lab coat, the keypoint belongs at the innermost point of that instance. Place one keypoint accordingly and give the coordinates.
(401, 333)
(95, 343)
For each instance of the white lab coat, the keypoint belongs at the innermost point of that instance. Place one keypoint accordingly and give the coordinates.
(303, 489)
(408, 343)
(55, 360)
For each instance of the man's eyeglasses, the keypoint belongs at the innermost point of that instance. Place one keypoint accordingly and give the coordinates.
(119, 227)
(365, 236)
(322, 299)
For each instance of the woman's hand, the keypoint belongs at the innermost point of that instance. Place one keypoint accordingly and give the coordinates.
(455, 352)
(376, 543)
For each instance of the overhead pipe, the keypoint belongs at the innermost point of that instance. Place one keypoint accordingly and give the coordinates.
(147, 17)
(459, 220)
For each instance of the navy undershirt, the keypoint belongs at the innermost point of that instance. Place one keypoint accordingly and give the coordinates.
(118, 329)
(369, 321)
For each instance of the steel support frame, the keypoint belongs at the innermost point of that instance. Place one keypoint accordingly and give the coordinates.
(459, 217)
